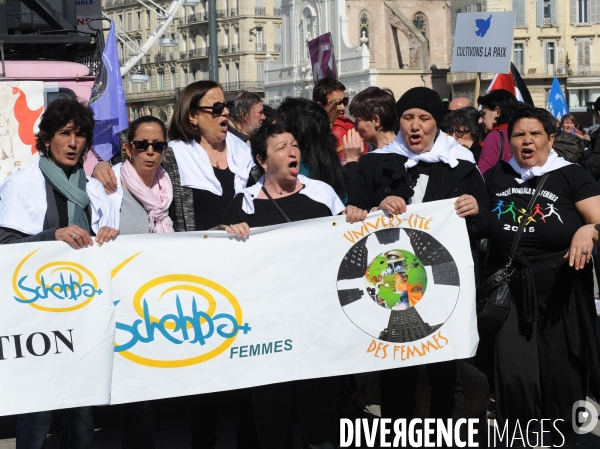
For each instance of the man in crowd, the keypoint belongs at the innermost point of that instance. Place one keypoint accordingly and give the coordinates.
(330, 94)
(246, 115)
(459, 103)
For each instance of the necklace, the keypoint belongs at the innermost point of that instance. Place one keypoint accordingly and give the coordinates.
(281, 192)
(217, 161)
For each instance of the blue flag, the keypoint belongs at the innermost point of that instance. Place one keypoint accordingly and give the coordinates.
(108, 101)
(557, 103)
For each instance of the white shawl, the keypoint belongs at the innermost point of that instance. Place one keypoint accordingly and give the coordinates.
(196, 171)
(23, 202)
(554, 162)
(445, 149)
(316, 190)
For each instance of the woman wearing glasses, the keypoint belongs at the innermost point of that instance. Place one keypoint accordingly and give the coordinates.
(463, 124)
(144, 191)
(207, 166)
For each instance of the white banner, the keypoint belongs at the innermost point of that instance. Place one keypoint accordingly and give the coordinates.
(483, 42)
(56, 327)
(201, 312)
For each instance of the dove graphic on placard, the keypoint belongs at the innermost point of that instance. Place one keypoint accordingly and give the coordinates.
(483, 25)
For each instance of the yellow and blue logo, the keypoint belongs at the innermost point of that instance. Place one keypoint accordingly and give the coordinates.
(179, 320)
(59, 286)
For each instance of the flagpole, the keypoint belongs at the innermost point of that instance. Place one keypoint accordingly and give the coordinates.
(477, 88)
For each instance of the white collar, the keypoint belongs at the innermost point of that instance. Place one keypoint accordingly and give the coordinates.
(23, 202)
(316, 190)
(554, 162)
(445, 149)
(196, 171)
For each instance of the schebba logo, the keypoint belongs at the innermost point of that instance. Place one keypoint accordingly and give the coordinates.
(177, 320)
(60, 286)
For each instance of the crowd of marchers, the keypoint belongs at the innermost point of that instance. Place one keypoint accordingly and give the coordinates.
(525, 185)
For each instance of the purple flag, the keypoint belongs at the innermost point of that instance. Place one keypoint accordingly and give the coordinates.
(322, 57)
(108, 101)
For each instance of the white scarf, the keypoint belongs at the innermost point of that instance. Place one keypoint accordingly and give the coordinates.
(554, 162)
(23, 202)
(196, 171)
(316, 190)
(445, 149)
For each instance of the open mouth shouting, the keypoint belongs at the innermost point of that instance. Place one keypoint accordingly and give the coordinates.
(294, 167)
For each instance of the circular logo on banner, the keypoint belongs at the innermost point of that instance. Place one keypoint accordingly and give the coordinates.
(58, 286)
(398, 285)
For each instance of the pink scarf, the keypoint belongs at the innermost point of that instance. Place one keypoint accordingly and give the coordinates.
(156, 200)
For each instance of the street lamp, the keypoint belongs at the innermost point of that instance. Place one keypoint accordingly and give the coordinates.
(140, 76)
(168, 42)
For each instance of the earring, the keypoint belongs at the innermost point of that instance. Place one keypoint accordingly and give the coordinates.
(130, 158)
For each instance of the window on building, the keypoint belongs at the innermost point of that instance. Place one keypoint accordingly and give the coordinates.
(458, 11)
(278, 39)
(546, 12)
(184, 81)
(148, 24)
(549, 53)
(237, 75)
(226, 43)
(138, 20)
(173, 78)
(583, 11)
(227, 76)
(161, 79)
(129, 22)
(149, 83)
(421, 23)
(194, 75)
(518, 7)
(518, 56)
(120, 21)
(468, 8)
(364, 27)
(478, 7)
(583, 47)
(260, 72)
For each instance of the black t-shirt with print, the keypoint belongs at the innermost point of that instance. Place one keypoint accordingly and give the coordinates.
(555, 218)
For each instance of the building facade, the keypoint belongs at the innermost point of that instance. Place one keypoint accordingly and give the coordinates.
(395, 44)
(248, 35)
(552, 38)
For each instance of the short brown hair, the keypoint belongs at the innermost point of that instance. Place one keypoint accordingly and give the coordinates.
(180, 127)
(375, 101)
(324, 87)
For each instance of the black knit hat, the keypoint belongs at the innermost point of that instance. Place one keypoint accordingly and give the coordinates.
(422, 98)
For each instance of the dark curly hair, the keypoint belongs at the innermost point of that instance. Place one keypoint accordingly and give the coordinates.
(501, 99)
(133, 126)
(60, 113)
(539, 114)
(260, 138)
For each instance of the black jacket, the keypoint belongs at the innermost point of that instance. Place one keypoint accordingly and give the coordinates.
(382, 175)
(591, 159)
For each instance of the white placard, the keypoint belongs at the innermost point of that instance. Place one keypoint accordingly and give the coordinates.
(483, 42)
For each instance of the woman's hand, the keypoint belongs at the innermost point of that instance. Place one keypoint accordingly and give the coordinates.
(106, 234)
(241, 230)
(354, 214)
(393, 204)
(465, 142)
(466, 206)
(103, 173)
(353, 146)
(581, 241)
(74, 236)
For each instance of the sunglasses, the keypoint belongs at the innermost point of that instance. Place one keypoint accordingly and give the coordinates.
(142, 145)
(343, 101)
(218, 107)
(459, 132)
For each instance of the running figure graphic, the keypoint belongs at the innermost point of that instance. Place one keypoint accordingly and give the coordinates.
(537, 210)
(529, 220)
(498, 208)
(552, 211)
(510, 208)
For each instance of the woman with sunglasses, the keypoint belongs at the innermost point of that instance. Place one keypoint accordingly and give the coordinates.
(144, 191)
(207, 166)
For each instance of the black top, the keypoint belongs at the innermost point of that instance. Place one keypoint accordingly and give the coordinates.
(383, 174)
(296, 206)
(554, 220)
(208, 207)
